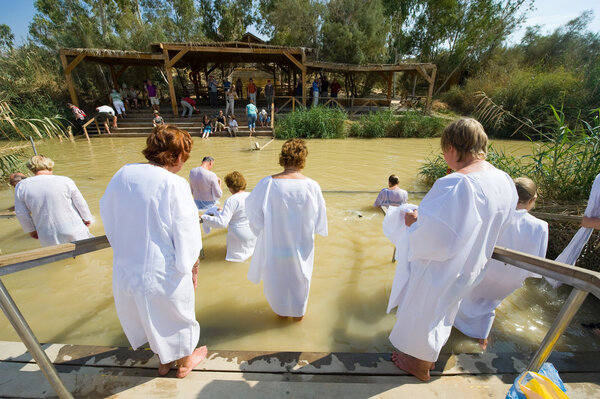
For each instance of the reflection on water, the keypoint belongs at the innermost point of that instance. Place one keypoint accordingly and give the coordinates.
(71, 301)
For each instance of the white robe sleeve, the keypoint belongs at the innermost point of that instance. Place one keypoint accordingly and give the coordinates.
(187, 239)
(321, 225)
(79, 202)
(220, 219)
(255, 206)
(23, 213)
(445, 220)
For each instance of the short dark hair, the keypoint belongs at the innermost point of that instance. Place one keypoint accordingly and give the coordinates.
(166, 144)
(208, 159)
(393, 180)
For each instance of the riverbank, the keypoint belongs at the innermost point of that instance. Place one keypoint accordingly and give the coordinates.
(93, 371)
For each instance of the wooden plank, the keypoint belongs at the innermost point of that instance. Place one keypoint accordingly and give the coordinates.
(430, 91)
(172, 91)
(69, 79)
(368, 68)
(177, 57)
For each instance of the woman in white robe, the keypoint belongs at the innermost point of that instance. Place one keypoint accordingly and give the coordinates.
(449, 242)
(285, 211)
(525, 233)
(151, 222)
(240, 238)
(51, 207)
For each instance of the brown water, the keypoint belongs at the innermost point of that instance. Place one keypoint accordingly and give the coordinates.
(71, 301)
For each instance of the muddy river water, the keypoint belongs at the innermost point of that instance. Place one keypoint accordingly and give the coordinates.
(71, 301)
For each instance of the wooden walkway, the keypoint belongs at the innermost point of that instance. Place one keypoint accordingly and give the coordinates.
(98, 372)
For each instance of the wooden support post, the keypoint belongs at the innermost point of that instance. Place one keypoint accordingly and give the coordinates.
(172, 91)
(169, 71)
(113, 75)
(430, 93)
(390, 80)
(68, 68)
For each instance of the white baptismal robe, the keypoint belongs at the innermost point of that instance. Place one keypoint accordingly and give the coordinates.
(53, 206)
(395, 229)
(525, 233)
(151, 222)
(571, 253)
(459, 222)
(285, 214)
(240, 238)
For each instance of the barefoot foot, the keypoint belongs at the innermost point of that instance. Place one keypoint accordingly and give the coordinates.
(417, 367)
(163, 369)
(298, 318)
(187, 364)
(282, 317)
(483, 343)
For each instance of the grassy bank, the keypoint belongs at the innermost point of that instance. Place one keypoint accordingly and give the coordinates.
(326, 123)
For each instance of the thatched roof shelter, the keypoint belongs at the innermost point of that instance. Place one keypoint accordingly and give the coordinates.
(248, 50)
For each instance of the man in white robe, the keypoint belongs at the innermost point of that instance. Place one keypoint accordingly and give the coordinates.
(285, 214)
(51, 207)
(152, 224)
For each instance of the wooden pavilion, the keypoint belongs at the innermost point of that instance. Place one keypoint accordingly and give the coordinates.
(208, 56)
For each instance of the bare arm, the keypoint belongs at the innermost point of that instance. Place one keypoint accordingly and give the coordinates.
(592, 223)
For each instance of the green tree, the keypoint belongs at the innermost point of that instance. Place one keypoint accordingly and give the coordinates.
(291, 22)
(226, 20)
(6, 37)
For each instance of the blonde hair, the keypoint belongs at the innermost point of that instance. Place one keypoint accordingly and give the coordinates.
(235, 181)
(293, 154)
(40, 162)
(526, 189)
(466, 136)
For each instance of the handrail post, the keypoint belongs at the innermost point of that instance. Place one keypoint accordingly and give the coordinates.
(559, 326)
(33, 346)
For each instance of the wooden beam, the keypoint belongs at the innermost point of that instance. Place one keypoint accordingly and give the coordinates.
(424, 74)
(75, 62)
(295, 61)
(177, 57)
(367, 68)
(121, 70)
(113, 75)
(212, 69)
(69, 79)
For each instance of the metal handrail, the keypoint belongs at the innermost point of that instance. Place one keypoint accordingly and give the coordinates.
(584, 281)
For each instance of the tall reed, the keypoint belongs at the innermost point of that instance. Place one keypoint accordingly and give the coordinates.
(563, 165)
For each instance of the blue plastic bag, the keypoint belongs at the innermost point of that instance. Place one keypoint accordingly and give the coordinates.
(547, 370)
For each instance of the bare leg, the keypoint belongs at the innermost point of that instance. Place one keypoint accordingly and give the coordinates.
(298, 318)
(187, 364)
(282, 317)
(164, 369)
(417, 367)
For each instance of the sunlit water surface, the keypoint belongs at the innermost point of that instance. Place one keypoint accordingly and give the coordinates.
(71, 301)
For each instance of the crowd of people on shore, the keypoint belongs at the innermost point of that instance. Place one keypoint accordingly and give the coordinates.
(445, 276)
(129, 98)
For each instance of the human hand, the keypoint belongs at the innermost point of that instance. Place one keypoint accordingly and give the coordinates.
(410, 217)
(195, 274)
(34, 234)
(87, 222)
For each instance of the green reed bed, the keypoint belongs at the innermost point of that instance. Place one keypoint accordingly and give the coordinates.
(320, 122)
(563, 165)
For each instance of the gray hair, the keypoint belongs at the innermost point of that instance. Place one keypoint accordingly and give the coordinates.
(208, 159)
(39, 162)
